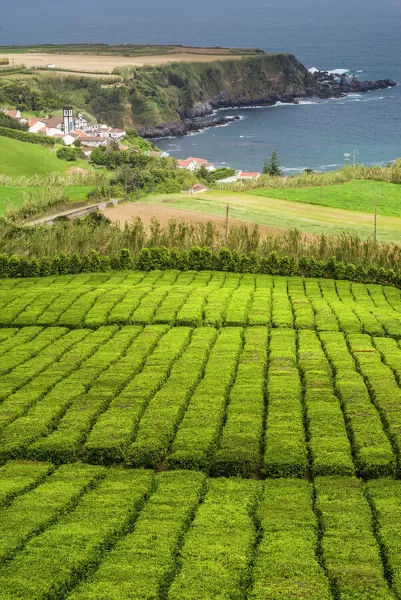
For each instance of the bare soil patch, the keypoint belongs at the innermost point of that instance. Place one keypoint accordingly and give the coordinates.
(128, 212)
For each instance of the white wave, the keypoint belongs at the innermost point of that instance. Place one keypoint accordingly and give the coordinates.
(313, 70)
(294, 168)
(307, 102)
(330, 166)
(360, 71)
(338, 71)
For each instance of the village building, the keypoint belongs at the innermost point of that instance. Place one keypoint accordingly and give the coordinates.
(193, 164)
(80, 122)
(92, 141)
(14, 114)
(247, 175)
(36, 125)
(53, 123)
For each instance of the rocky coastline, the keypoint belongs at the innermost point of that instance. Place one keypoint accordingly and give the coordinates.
(321, 84)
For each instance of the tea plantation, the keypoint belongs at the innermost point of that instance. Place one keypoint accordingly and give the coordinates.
(199, 435)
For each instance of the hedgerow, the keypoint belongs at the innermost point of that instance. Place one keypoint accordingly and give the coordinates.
(24, 136)
(162, 258)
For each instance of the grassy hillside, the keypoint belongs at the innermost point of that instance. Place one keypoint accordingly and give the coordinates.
(264, 210)
(259, 418)
(14, 196)
(21, 159)
(153, 95)
(357, 196)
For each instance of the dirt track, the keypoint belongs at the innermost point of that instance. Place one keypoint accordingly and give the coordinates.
(90, 62)
(128, 212)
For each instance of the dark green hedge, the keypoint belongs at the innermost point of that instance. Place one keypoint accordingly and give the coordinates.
(197, 259)
(24, 136)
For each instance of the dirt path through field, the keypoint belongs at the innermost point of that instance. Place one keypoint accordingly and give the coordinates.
(128, 212)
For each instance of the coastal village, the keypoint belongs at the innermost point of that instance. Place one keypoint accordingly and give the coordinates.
(72, 130)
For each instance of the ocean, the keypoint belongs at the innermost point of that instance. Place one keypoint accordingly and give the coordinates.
(363, 36)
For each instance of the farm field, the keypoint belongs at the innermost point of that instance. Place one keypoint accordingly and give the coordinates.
(171, 435)
(173, 369)
(273, 212)
(94, 533)
(19, 159)
(106, 63)
(357, 196)
(14, 196)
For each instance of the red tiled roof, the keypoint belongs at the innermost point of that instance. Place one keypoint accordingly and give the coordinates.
(13, 113)
(189, 160)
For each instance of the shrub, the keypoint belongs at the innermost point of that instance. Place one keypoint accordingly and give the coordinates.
(68, 154)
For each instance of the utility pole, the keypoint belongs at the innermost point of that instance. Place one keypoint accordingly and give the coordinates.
(375, 215)
(347, 157)
(227, 209)
(354, 153)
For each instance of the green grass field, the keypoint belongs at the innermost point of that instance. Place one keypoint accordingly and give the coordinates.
(272, 212)
(14, 197)
(171, 435)
(357, 196)
(18, 159)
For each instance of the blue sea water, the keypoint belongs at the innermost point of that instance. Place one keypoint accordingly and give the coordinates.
(363, 36)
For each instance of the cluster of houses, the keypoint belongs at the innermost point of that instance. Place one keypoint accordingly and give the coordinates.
(194, 164)
(69, 129)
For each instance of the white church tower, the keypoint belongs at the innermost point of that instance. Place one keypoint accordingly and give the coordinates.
(68, 119)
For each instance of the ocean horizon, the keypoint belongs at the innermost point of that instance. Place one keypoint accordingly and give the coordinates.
(315, 134)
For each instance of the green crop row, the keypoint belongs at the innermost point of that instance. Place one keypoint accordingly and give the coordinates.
(285, 444)
(85, 532)
(382, 383)
(328, 441)
(372, 450)
(350, 550)
(229, 401)
(205, 298)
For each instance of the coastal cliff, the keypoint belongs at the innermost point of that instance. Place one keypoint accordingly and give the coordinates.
(182, 97)
(177, 98)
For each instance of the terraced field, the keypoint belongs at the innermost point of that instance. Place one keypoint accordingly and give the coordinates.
(189, 435)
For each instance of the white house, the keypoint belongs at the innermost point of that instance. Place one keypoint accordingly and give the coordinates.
(116, 134)
(36, 125)
(193, 164)
(73, 136)
(92, 141)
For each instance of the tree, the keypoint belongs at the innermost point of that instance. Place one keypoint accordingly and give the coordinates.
(272, 166)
